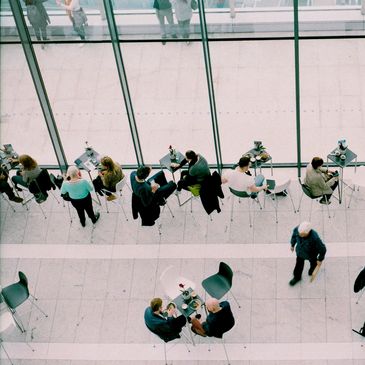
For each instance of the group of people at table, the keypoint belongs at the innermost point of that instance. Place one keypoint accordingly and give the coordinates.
(149, 193)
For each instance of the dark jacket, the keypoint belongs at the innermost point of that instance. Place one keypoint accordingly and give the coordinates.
(218, 323)
(42, 183)
(148, 214)
(310, 247)
(162, 327)
(210, 191)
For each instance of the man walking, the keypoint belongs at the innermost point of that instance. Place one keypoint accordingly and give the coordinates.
(309, 246)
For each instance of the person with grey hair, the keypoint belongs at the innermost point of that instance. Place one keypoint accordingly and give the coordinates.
(308, 246)
(219, 320)
(79, 190)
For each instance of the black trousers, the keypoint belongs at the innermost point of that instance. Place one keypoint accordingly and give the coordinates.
(82, 206)
(165, 189)
(178, 323)
(186, 180)
(98, 186)
(298, 269)
(6, 188)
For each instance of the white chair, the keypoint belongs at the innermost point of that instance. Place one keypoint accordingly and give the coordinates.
(243, 195)
(279, 189)
(357, 180)
(118, 190)
(170, 281)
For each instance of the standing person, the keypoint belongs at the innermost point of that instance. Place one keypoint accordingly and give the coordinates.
(198, 170)
(110, 173)
(38, 18)
(164, 10)
(219, 320)
(78, 190)
(164, 323)
(183, 13)
(240, 179)
(6, 188)
(309, 246)
(320, 180)
(27, 173)
(78, 16)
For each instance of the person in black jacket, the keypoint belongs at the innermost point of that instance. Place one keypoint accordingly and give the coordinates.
(309, 246)
(6, 188)
(219, 320)
(165, 324)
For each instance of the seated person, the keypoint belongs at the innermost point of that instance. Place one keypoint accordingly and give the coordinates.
(166, 327)
(110, 173)
(219, 320)
(320, 181)
(198, 170)
(240, 179)
(152, 191)
(29, 171)
(6, 188)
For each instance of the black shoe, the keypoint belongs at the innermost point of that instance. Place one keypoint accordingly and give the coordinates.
(97, 216)
(18, 188)
(293, 281)
(310, 272)
(83, 224)
(324, 201)
(198, 316)
(16, 199)
(188, 319)
(268, 191)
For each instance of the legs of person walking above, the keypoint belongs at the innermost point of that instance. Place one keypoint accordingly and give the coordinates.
(88, 205)
(298, 269)
(313, 264)
(44, 33)
(170, 20)
(184, 28)
(78, 205)
(161, 19)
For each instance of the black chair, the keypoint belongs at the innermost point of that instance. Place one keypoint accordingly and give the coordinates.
(15, 294)
(307, 192)
(220, 283)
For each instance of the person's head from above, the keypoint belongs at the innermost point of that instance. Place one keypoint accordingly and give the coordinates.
(108, 163)
(316, 162)
(244, 162)
(156, 305)
(73, 173)
(191, 156)
(143, 172)
(212, 305)
(304, 229)
(27, 162)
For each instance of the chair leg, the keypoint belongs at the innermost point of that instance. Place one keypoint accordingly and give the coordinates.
(352, 192)
(185, 337)
(291, 199)
(235, 299)
(69, 211)
(232, 197)
(106, 203)
(33, 302)
(328, 209)
(17, 320)
(6, 353)
(54, 195)
(167, 204)
(164, 350)
(7, 202)
(225, 350)
(300, 202)
(310, 212)
(249, 211)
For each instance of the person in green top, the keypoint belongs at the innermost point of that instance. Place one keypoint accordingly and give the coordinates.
(78, 190)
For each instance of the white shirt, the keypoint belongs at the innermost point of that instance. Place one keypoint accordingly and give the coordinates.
(238, 180)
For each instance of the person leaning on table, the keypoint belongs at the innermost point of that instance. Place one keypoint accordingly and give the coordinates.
(320, 180)
(78, 190)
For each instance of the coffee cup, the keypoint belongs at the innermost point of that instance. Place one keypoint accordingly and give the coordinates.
(343, 157)
(337, 153)
(184, 306)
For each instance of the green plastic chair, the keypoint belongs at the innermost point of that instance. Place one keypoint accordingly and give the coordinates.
(15, 294)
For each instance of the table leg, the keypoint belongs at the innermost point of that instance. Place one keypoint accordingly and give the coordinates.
(271, 167)
(97, 196)
(340, 187)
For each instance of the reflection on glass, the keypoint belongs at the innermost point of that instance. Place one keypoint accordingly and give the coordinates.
(164, 10)
(38, 18)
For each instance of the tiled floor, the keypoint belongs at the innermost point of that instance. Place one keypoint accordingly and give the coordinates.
(95, 283)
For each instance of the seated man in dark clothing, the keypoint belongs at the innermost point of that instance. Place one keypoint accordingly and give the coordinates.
(198, 170)
(6, 188)
(166, 327)
(154, 190)
(219, 320)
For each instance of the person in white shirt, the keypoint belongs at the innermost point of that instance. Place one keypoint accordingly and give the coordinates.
(240, 179)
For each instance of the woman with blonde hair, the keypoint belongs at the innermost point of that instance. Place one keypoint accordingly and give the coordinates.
(78, 190)
(28, 172)
(110, 173)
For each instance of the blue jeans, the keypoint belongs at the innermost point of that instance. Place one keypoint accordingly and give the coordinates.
(259, 181)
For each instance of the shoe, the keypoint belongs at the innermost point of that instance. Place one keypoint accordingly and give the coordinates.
(324, 201)
(16, 199)
(97, 216)
(198, 316)
(268, 191)
(293, 281)
(83, 224)
(43, 46)
(310, 272)
(188, 43)
(111, 198)
(18, 188)
(188, 319)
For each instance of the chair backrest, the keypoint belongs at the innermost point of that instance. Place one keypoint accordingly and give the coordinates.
(226, 272)
(23, 280)
(307, 191)
(280, 188)
(120, 185)
(240, 194)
